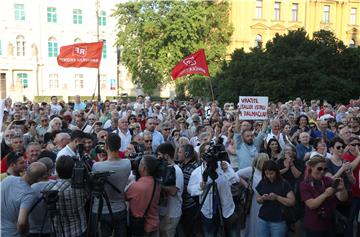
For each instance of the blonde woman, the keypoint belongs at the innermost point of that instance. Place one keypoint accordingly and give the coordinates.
(54, 128)
(246, 173)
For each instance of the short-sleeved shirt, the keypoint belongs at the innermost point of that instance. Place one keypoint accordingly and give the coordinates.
(273, 211)
(16, 194)
(355, 188)
(312, 189)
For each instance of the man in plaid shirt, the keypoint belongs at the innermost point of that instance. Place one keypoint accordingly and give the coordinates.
(71, 220)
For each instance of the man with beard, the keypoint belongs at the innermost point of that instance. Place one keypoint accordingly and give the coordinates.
(6, 141)
(248, 146)
(16, 165)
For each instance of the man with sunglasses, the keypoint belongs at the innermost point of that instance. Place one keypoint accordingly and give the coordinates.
(353, 156)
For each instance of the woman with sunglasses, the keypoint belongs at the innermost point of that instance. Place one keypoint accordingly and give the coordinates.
(275, 195)
(320, 195)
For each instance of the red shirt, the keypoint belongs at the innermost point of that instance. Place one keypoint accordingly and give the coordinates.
(139, 195)
(355, 188)
(3, 164)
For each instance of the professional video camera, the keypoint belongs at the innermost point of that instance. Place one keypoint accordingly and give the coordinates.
(216, 152)
(98, 180)
(100, 148)
(82, 168)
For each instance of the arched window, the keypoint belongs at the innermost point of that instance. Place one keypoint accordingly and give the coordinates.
(352, 43)
(52, 47)
(77, 40)
(20, 45)
(258, 41)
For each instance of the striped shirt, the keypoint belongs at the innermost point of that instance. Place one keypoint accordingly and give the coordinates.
(71, 207)
(187, 169)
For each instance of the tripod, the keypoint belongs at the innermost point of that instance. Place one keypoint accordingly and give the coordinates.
(98, 193)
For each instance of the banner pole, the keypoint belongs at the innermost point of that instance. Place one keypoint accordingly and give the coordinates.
(212, 91)
(98, 36)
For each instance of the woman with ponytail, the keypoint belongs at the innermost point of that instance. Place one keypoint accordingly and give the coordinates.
(320, 195)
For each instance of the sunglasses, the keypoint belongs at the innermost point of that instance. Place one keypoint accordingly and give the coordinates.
(148, 141)
(103, 136)
(166, 129)
(339, 147)
(321, 169)
(355, 144)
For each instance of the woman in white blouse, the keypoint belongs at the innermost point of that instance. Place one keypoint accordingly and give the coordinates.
(246, 173)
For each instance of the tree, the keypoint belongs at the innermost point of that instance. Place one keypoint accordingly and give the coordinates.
(155, 35)
(292, 66)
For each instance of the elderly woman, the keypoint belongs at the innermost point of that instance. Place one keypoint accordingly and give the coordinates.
(54, 128)
(320, 194)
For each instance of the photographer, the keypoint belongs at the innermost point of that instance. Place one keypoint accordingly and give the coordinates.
(198, 184)
(171, 196)
(119, 179)
(142, 192)
(320, 194)
(71, 220)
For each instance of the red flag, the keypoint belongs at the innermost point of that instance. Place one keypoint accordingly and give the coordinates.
(192, 64)
(81, 55)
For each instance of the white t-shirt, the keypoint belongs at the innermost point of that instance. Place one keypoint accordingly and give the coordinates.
(174, 203)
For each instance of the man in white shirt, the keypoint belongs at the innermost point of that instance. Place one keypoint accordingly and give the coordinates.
(171, 203)
(70, 149)
(124, 133)
(55, 107)
(276, 133)
(198, 185)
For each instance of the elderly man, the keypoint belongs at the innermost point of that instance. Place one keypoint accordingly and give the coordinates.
(303, 149)
(276, 133)
(17, 198)
(70, 149)
(157, 137)
(78, 105)
(345, 134)
(32, 153)
(6, 141)
(42, 128)
(17, 146)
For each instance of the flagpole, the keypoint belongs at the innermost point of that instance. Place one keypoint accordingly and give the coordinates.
(212, 91)
(97, 36)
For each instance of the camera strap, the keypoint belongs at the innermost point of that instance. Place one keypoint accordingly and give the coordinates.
(152, 196)
(35, 204)
(113, 186)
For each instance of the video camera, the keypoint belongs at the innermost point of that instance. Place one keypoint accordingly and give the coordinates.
(82, 168)
(100, 148)
(216, 152)
(97, 180)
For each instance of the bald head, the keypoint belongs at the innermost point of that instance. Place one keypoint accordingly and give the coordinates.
(35, 172)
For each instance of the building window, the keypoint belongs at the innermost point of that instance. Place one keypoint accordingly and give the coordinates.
(20, 45)
(79, 81)
(51, 15)
(104, 53)
(19, 12)
(53, 81)
(277, 11)
(103, 81)
(258, 13)
(23, 77)
(294, 11)
(353, 16)
(258, 41)
(77, 16)
(326, 17)
(102, 18)
(352, 43)
(77, 40)
(52, 47)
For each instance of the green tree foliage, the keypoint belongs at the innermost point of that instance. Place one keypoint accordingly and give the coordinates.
(291, 66)
(155, 35)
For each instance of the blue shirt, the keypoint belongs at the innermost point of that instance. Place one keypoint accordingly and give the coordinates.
(329, 135)
(301, 150)
(157, 139)
(80, 106)
(247, 153)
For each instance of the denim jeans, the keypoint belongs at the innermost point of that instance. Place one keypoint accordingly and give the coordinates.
(210, 228)
(270, 229)
(107, 224)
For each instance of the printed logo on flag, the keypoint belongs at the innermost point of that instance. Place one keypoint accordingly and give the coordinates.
(190, 61)
(80, 51)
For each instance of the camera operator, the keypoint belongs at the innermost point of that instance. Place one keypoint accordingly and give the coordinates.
(171, 199)
(17, 197)
(71, 220)
(198, 184)
(142, 192)
(119, 179)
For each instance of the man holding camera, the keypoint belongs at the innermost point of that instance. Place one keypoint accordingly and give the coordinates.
(114, 188)
(201, 179)
(171, 199)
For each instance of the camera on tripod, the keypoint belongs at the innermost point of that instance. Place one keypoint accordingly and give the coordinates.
(82, 168)
(216, 152)
(98, 180)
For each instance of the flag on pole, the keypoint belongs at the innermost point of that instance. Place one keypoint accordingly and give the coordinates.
(192, 64)
(81, 55)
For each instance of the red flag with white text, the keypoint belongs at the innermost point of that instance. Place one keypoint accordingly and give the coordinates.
(192, 64)
(81, 55)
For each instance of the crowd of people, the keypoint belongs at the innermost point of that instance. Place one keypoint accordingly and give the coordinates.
(172, 168)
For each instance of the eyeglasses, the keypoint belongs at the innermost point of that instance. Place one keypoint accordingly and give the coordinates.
(339, 147)
(355, 144)
(148, 141)
(103, 136)
(321, 169)
(166, 129)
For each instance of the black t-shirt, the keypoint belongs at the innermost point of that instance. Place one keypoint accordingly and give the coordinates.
(288, 176)
(273, 210)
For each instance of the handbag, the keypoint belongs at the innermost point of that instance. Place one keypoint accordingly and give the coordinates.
(137, 224)
(244, 201)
